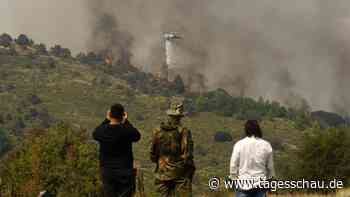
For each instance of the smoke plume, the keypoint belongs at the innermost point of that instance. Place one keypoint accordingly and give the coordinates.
(280, 50)
(106, 36)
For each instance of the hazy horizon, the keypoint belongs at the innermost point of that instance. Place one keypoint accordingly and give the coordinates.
(285, 50)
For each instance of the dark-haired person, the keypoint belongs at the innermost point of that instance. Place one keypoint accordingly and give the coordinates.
(251, 161)
(115, 136)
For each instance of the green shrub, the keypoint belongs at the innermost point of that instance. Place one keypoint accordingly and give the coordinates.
(179, 85)
(58, 51)
(59, 160)
(23, 40)
(5, 142)
(324, 154)
(243, 108)
(5, 40)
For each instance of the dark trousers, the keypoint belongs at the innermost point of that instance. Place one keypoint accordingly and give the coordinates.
(174, 188)
(116, 185)
(253, 193)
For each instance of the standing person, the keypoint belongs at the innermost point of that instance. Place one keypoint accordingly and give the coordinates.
(172, 151)
(115, 136)
(251, 161)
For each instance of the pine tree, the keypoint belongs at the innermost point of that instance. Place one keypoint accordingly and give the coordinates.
(179, 85)
(5, 40)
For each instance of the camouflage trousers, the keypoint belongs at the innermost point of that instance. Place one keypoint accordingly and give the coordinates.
(174, 188)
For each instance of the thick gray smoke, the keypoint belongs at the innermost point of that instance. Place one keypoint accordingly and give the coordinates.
(281, 50)
(106, 36)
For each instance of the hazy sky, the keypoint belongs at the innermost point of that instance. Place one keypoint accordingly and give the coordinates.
(5, 17)
(48, 21)
(278, 49)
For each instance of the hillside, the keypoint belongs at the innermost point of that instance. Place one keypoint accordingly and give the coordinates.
(39, 91)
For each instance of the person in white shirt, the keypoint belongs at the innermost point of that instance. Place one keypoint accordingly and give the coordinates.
(251, 162)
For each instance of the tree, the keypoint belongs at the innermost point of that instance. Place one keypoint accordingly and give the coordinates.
(12, 50)
(202, 104)
(302, 120)
(58, 51)
(66, 53)
(90, 58)
(5, 40)
(324, 154)
(55, 50)
(59, 160)
(23, 40)
(4, 142)
(179, 85)
(220, 99)
(41, 49)
(51, 62)
(81, 57)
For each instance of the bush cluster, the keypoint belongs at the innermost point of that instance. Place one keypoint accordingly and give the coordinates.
(60, 160)
(244, 108)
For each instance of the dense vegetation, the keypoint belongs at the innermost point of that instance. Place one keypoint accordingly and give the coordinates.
(63, 161)
(243, 108)
(5, 141)
(60, 161)
(42, 92)
(324, 155)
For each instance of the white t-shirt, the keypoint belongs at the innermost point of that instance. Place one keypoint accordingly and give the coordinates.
(252, 158)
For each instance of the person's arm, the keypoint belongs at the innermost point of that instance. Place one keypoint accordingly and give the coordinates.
(187, 151)
(234, 163)
(270, 166)
(154, 151)
(187, 146)
(106, 121)
(98, 133)
(132, 133)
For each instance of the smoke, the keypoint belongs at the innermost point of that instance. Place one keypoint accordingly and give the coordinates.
(281, 50)
(106, 36)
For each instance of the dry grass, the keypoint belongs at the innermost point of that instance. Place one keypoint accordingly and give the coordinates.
(344, 193)
(302, 195)
(340, 193)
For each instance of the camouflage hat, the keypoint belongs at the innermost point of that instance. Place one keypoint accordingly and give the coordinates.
(176, 109)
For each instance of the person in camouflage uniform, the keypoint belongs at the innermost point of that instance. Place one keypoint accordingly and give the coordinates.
(172, 151)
